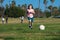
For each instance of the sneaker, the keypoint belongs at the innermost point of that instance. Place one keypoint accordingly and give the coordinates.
(29, 26)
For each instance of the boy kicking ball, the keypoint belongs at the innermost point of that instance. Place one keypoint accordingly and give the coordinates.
(30, 15)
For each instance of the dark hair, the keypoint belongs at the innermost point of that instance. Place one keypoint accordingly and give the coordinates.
(29, 6)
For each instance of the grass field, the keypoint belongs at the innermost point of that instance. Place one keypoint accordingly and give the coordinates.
(15, 30)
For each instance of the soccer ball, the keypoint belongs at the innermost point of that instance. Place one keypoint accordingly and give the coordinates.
(42, 27)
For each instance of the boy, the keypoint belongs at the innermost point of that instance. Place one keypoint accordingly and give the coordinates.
(30, 15)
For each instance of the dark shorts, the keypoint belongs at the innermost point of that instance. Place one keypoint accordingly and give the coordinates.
(30, 19)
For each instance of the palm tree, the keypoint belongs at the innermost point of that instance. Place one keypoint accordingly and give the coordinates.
(13, 3)
(9, 3)
(45, 3)
(50, 7)
(55, 11)
(59, 9)
(1, 1)
(39, 4)
(38, 8)
(2, 8)
(52, 1)
(7, 6)
(39, 14)
(24, 7)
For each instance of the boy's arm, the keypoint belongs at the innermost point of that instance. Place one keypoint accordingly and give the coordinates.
(33, 12)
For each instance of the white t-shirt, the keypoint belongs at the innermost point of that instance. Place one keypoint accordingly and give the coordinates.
(3, 19)
(22, 17)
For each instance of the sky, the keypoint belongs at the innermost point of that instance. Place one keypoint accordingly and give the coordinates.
(33, 2)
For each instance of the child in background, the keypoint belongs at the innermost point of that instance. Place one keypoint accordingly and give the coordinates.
(22, 18)
(30, 15)
(6, 18)
(3, 20)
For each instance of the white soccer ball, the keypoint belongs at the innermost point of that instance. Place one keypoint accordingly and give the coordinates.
(42, 27)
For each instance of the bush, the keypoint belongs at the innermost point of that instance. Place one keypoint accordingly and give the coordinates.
(14, 12)
(48, 14)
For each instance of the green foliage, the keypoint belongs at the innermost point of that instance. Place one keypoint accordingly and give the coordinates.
(14, 12)
(1, 1)
(48, 14)
(50, 7)
(59, 9)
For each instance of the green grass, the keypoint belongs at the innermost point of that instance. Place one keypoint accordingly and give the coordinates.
(18, 31)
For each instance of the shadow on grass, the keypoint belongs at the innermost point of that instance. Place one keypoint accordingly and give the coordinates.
(9, 38)
(55, 39)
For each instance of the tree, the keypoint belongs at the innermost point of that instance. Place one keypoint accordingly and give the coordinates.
(50, 8)
(47, 13)
(24, 7)
(1, 11)
(19, 5)
(7, 10)
(38, 12)
(2, 8)
(13, 3)
(52, 1)
(6, 5)
(1, 1)
(59, 9)
(45, 3)
(39, 4)
(14, 11)
(55, 11)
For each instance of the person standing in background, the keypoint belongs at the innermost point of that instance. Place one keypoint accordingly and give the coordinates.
(3, 20)
(22, 19)
(6, 18)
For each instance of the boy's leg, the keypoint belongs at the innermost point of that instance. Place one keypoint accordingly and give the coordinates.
(31, 22)
(21, 21)
(2, 22)
(6, 20)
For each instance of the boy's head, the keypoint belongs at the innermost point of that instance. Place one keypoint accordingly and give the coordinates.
(30, 6)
